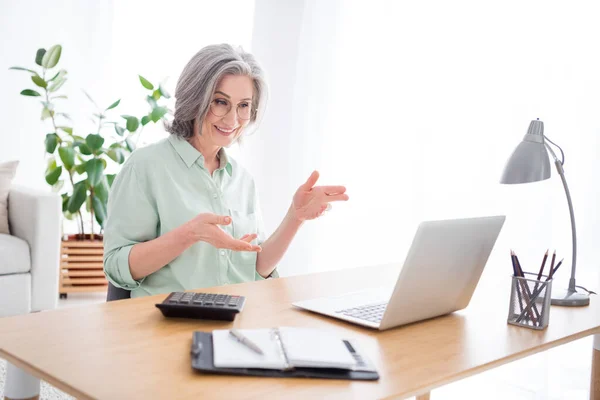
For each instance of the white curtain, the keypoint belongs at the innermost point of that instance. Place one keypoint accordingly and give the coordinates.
(415, 107)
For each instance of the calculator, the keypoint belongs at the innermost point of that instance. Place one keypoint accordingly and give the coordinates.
(202, 305)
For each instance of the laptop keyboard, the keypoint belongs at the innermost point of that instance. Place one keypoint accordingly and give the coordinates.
(371, 312)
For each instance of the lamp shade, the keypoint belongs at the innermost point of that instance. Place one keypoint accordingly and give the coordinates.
(529, 162)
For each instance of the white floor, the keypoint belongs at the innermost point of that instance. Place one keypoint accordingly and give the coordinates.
(559, 373)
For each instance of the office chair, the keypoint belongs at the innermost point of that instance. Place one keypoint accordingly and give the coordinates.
(117, 293)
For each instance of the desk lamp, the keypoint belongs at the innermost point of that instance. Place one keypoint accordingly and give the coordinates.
(530, 163)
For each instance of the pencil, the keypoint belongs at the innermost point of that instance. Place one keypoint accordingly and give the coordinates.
(514, 265)
(552, 263)
(554, 270)
(542, 267)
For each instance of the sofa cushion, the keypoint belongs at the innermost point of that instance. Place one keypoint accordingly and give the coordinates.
(14, 255)
(7, 173)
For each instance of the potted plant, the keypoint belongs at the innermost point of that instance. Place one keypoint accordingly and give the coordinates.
(77, 164)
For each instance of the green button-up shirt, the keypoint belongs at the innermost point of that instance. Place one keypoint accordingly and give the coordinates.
(161, 187)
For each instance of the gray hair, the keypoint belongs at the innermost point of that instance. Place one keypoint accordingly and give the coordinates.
(199, 80)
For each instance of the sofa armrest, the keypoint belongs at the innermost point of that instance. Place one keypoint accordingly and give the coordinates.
(35, 216)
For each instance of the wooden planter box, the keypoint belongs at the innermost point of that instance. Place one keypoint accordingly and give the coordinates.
(81, 267)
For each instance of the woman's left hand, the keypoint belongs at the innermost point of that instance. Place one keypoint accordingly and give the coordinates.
(311, 201)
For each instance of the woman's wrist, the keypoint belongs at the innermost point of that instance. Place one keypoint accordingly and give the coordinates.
(187, 235)
(292, 218)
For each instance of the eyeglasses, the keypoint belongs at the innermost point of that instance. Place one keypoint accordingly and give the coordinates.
(222, 107)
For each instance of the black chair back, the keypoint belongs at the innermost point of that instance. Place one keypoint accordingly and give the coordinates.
(117, 293)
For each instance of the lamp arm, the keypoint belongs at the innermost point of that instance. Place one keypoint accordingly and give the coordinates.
(561, 172)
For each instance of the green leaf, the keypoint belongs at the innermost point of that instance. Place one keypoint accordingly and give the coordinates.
(39, 81)
(52, 56)
(65, 200)
(57, 84)
(39, 56)
(110, 178)
(67, 156)
(113, 105)
(29, 92)
(51, 142)
(130, 144)
(23, 69)
(84, 149)
(46, 113)
(146, 83)
(101, 190)
(132, 123)
(80, 168)
(66, 129)
(58, 186)
(62, 96)
(119, 130)
(94, 169)
(164, 93)
(59, 75)
(116, 155)
(145, 120)
(53, 175)
(158, 113)
(78, 197)
(99, 210)
(94, 141)
(156, 94)
(51, 164)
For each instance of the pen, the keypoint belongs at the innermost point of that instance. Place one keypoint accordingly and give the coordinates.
(245, 341)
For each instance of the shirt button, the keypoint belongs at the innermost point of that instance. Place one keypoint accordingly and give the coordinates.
(214, 195)
(222, 252)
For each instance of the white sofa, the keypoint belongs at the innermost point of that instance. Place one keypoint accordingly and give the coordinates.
(30, 255)
(29, 267)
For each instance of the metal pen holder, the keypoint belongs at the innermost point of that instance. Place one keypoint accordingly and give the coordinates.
(530, 301)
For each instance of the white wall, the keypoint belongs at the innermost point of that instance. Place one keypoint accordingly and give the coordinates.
(416, 107)
(84, 31)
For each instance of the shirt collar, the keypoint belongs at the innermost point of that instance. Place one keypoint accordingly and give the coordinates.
(190, 155)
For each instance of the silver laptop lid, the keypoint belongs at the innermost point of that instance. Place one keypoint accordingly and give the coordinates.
(442, 268)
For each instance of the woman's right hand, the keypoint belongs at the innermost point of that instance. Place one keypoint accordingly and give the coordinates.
(205, 227)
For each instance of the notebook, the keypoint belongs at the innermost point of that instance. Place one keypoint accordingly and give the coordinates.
(286, 348)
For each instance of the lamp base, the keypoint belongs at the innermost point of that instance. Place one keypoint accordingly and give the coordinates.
(564, 297)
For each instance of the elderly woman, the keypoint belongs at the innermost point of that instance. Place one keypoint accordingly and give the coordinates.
(182, 213)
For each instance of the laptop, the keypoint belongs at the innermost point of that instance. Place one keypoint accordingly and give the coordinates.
(440, 273)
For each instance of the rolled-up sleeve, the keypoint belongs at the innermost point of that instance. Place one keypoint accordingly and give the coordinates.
(132, 218)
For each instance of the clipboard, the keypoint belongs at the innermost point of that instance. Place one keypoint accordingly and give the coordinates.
(202, 360)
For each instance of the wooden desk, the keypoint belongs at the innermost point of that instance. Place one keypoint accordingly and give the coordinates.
(128, 350)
